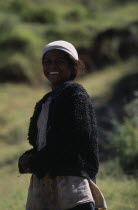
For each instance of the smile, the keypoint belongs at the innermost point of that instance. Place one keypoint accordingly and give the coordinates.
(53, 72)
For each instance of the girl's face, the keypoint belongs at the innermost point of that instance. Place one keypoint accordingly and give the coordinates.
(55, 67)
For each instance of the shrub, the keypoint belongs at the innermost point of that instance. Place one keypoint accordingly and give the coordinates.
(69, 33)
(19, 6)
(14, 43)
(110, 168)
(15, 69)
(11, 37)
(124, 140)
(131, 109)
(80, 35)
(30, 12)
(76, 14)
(54, 34)
(40, 15)
(18, 51)
(8, 22)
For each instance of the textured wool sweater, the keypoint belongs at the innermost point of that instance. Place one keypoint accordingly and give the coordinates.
(72, 147)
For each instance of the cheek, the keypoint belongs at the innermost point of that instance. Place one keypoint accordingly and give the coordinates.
(44, 71)
(68, 73)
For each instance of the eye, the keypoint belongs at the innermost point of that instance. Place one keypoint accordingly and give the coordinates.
(61, 61)
(46, 61)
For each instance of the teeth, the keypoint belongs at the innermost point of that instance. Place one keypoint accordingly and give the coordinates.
(54, 72)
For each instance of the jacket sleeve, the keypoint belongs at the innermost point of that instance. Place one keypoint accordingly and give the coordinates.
(72, 131)
(27, 156)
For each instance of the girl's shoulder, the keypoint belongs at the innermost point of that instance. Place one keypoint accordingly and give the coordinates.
(67, 89)
(74, 87)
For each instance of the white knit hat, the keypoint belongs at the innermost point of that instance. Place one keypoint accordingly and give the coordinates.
(61, 45)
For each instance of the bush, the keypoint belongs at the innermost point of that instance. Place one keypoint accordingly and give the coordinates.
(67, 33)
(12, 38)
(8, 22)
(18, 52)
(30, 12)
(14, 43)
(80, 35)
(76, 14)
(19, 6)
(40, 15)
(110, 168)
(13, 73)
(131, 108)
(54, 34)
(15, 69)
(124, 141)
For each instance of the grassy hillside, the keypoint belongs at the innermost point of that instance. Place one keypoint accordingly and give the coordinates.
(17, 102)
(26, 28)
(120, 193)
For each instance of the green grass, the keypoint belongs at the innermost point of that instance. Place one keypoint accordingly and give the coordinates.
(17, 102)
(116, 16)
(100, 84)
(120, 193)
(89, 19)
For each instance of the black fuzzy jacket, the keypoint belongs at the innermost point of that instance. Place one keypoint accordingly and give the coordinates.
(71, 135)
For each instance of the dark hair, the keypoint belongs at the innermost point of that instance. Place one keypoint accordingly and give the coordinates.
(77, 67)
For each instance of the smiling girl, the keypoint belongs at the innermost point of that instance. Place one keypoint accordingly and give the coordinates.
(64, 159)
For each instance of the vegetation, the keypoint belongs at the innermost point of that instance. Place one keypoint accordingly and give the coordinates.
(16, 108)
(25, 29)
(124, 143)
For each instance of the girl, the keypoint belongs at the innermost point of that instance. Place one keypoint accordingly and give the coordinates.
(64, 159)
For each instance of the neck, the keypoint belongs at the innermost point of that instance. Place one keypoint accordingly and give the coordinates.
(54, 86)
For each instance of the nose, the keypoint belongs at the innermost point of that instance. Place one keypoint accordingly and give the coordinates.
(52, 64)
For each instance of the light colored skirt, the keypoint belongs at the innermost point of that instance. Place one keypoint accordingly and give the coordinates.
(61, 192)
